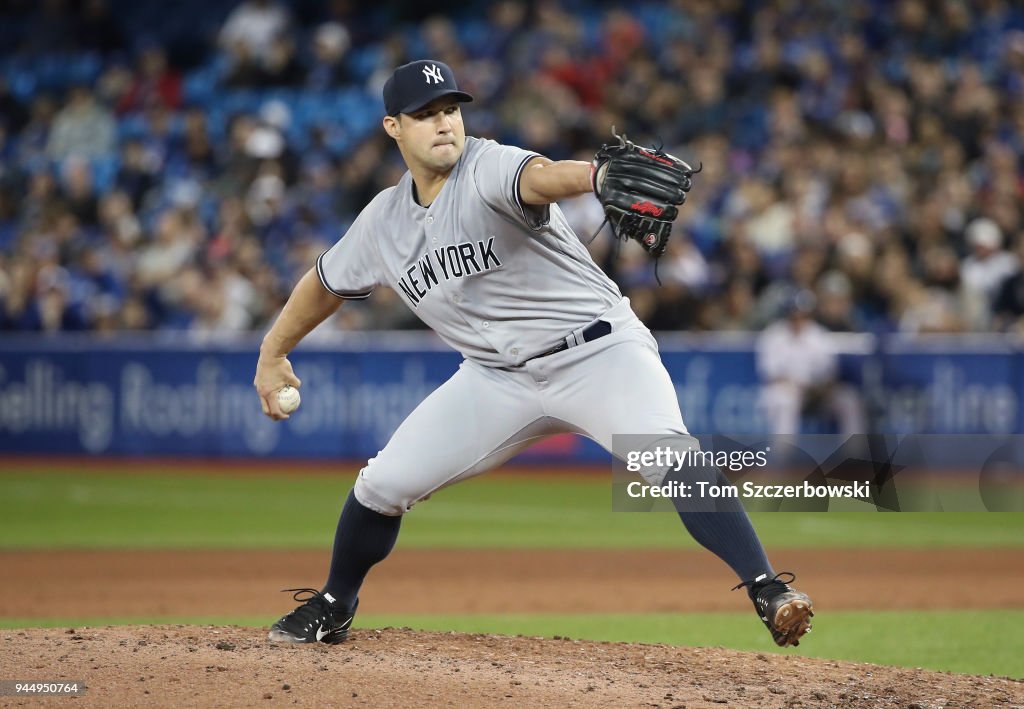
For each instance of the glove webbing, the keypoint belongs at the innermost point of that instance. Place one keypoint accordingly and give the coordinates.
(618, 247)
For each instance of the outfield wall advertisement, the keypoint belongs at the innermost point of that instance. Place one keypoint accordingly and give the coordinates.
(135, 397)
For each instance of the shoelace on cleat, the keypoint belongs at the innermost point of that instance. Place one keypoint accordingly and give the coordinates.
(314, 605)
(775, 579)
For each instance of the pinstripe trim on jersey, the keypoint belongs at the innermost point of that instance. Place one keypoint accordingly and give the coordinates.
(545, 210)
(323, 282)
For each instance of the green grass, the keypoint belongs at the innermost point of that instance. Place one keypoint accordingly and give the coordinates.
(62, 508)
(974, 642)
(66, 509)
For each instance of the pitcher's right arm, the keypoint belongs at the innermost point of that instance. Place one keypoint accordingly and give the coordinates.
(309, 305)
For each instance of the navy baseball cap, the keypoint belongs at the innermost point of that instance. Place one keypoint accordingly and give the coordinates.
(412, 86)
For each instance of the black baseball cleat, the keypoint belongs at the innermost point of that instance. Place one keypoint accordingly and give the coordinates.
(785, 611)
(317, 620)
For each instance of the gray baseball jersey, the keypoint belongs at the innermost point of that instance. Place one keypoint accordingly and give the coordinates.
(498, 280)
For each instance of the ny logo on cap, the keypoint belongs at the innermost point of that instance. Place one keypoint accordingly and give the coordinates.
(433, 74)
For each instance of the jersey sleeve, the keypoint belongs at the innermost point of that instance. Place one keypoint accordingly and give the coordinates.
(352, 268)
(497, 174)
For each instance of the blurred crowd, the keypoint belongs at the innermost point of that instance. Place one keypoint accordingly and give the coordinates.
(863, 150)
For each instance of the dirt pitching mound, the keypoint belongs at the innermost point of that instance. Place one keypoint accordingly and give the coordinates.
(177, 665)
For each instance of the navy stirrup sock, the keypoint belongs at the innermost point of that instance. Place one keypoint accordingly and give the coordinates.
(726, 532)
(363, 538)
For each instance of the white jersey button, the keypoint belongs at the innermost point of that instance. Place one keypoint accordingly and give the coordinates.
(486, 324)
(457, 297)
(515, 350)
(430, 220)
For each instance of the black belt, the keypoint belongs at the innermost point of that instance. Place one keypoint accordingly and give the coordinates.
(589, 334)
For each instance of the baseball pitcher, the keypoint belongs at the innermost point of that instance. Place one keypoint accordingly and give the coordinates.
(472, 240)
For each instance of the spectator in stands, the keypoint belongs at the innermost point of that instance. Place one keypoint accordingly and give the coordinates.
(82, 127)
(137, 174)
(175, 243)
(327, 70)
(41, 200)
(196, 148)
(53, 308)
(940, 274)
(98, 281)
(834, 142)
(989, 264)
(154, 83)
(17, 295)
(835, 303)
(281, 66)
(245, 70)
(220, 301)
(769, 221)
(506, 29)
(121, 227)
(249, 34)
(33, 140)
(799, 369)
(804, 269)
(735, 309)
(706, 106)
(159, 136)
(77, 190)
(918, 309)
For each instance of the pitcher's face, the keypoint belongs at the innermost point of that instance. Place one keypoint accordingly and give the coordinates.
(432, 137)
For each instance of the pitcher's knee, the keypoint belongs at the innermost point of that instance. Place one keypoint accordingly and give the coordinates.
(690, 464)
(387, 498)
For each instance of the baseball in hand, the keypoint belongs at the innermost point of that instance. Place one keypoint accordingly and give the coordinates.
(288, 399)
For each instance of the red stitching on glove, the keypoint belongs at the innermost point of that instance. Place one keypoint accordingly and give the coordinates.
(657, 158)
(647, 208)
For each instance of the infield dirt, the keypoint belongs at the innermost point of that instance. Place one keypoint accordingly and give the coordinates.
(175, 665)
(91, 584)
